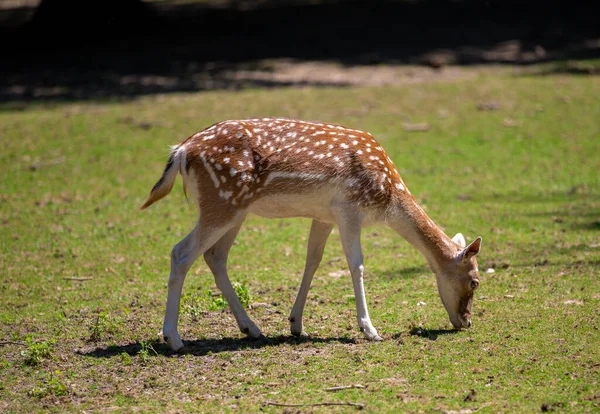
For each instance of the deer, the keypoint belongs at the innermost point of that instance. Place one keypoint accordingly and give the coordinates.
(282, 168)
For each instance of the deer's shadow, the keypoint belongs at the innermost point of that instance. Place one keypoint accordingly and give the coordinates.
(204, 347)
(431, 334)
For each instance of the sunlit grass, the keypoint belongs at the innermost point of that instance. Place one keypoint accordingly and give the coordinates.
(511, 159)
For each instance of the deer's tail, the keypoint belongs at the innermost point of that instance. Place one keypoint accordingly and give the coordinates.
(164, 185)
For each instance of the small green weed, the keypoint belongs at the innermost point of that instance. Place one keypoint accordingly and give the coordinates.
(125, 358)
(49, 386)
(61, 323)
(219, 302)
(192, 304)
(104, 325)
(122, 400)
(243, 293)
(36, 352)
(225, 356)
(216, 303)
(147, 352)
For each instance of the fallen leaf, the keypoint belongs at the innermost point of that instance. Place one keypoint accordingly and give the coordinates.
(510, 123)
(573, 302)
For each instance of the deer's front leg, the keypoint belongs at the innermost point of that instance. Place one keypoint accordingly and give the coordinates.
(319, 233)
(350, 227)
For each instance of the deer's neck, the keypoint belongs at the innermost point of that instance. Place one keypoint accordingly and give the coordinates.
(409, 220)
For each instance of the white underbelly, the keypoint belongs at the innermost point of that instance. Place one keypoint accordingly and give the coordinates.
(318, 205)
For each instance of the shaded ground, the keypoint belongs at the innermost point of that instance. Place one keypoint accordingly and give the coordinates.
(205, 45)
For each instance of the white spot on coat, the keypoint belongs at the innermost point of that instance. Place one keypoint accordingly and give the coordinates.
(225, 195)
(211, 172)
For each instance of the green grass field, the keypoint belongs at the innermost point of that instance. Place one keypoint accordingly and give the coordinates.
(514, 159)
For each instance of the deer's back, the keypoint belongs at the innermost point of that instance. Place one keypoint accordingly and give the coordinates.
(245, 161)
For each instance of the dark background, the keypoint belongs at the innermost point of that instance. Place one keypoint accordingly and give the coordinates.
(74, 50)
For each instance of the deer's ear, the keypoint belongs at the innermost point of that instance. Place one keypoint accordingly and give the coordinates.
(459, 239)
(473, 248)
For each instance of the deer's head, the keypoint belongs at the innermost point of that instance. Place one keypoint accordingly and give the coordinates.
(457, 280)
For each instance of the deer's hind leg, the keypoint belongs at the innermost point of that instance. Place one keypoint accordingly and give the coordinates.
(184, 254)
(216, 259)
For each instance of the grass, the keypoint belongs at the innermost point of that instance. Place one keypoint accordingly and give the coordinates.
(36, 352)
(85, 272)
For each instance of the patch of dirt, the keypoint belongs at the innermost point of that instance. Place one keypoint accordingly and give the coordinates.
(395, 381)
(287, 72)
(547, 407)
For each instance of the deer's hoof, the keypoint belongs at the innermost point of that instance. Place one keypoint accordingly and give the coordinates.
(174, 341)
(252, 331)
(300, 333)
(372, 336)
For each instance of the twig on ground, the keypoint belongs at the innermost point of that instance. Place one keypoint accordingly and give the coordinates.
(351, 404)
(2, 343)
(47, 163)
(344, 387)
(78, 279)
